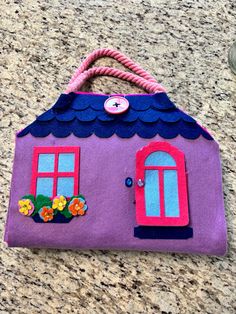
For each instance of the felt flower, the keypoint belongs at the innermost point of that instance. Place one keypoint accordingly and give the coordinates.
(59, 202)
(46, 213)
(26, 207)
(77, 206)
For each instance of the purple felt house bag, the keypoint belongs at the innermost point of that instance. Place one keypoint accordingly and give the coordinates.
(119, 171)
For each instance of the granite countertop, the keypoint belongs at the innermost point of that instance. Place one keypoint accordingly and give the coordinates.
(184, 44)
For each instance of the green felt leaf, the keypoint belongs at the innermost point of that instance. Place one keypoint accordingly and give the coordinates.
(35, 212)
(30, 197)
(42, 200)
(77, 196)
(81, 196)
(66, 212)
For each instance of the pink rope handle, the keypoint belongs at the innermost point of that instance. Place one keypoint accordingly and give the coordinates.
(120, 57)
(151, 87)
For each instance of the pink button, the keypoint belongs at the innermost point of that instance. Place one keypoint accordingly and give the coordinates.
(116, 105)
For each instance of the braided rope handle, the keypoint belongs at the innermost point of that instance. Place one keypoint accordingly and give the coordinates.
(78, 82)
(120, 57)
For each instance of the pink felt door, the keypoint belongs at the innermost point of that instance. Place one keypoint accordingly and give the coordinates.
(161, 186)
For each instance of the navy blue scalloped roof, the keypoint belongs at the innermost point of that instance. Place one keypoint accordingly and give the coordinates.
(84, 115)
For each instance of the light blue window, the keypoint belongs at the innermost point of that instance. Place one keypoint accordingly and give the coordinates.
(66, 162)
(45, 186)
(65, 186)
(152, 194)
(160, 158)
(46, 162)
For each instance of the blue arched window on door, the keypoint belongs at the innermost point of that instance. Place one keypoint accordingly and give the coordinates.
(161, 176)
(162, 199)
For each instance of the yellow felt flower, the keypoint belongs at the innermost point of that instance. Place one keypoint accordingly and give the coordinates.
(26, 207)
(59, 202)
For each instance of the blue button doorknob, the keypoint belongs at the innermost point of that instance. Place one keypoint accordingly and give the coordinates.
(128, 182)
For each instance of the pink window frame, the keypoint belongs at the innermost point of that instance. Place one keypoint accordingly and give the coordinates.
(55, 174)
(178, 156)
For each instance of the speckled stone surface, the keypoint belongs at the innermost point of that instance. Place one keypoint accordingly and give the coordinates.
(184, 44)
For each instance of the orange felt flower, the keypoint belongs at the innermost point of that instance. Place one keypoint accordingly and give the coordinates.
(46, 213)
(81, 212)
(77, 206)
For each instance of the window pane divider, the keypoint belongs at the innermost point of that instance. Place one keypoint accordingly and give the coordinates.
(57, 174)
(162, 193)
(54, 191)
(161, 167)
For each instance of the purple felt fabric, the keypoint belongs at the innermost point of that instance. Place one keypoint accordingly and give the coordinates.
(110, 220)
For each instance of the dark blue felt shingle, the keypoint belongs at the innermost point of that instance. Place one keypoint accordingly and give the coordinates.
(126, 130)
(69, 115)
(25, 131)
(193, 130)
(130, 116)
(64, 102)
(164, 129)
(46, 116)
(40, 129)
(146, 130)
(97, 101)
(84, 115)
(82, 129)
(104, 116)
(150, 116)
(171, 116)
(140, 103)
(185, 117)
(61, 129)
(205, 134)
(104, 129)
(162, 102)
